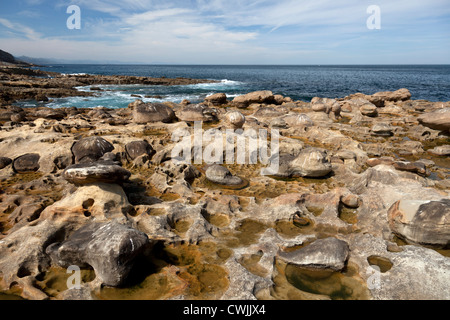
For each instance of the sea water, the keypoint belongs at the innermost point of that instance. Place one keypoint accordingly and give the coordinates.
(427, 82)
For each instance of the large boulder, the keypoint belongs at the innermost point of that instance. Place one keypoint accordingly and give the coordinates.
(380, 98)
(95, 172)
(138, 148)
(329, 253)
(91, 149)
(312, 163)
(235, 120)
(4, 162)
(198, 112)
(152, 112)
(422, 222)
(109, 248)
(217, 99)
(221, 175)
(253, 97)
(438, 120)
(27, 163)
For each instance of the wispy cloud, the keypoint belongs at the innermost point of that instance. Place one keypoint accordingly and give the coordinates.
(236, 31)
(20, 29)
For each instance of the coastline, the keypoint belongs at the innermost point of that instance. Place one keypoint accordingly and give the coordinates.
(364, 183)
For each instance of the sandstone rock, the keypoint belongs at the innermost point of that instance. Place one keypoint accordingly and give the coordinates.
(329, 253)
(369, 110)
(422, 222)
(18, 117)
(49, 113)
(109, 248)
(138, 148)
(301, 120)
(312, 163)
(415, 167)
(351, 200)
(221, 175)
(91, 149)
(235, 119)
(217, 99)
(267, 112)
(382, 129)
(27, 163)
(101, 171)
(135, 103)
(380, 98)
(441, 150)
(438, 120)
(4, 162)
(197, 112)
(152, 112)
(254, 97)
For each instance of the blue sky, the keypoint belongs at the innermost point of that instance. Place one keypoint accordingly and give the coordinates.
(230, 31)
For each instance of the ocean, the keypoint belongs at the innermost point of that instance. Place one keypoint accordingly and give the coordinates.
(427, 82)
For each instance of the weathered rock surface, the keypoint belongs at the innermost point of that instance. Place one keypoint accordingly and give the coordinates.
(311, 163)
(100, 171)
(91, 149)
(422, 222)
(27, 163)
(221, 175)
(254, 97)
(138, 148)
(4, 162)
(109, 248)
(217, 99)
(152, 112)
(329, 253)
(438, 120)
(199, 112)
(235, 119)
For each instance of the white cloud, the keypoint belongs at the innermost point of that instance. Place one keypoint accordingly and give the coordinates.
(228, 31)
(21, 29)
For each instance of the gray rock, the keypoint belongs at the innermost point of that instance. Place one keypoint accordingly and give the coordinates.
(221, 175)
(311, 163)
(152, 112)
(138, 148)
(329, 253)
(27, 163)
(197, 112)
(422, 222)
(235, 119)
(110, 248)
(91, 149)
(101, 171)
(4, 162)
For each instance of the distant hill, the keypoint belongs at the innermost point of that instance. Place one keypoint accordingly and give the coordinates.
(7, 57)
(43, 61)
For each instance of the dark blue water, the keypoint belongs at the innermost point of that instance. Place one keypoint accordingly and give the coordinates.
(427, 82)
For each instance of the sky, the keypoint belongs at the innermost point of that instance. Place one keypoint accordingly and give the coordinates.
(230, 31)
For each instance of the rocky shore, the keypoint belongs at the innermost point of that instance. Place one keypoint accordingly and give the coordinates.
(19, 83)
(359, 208)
